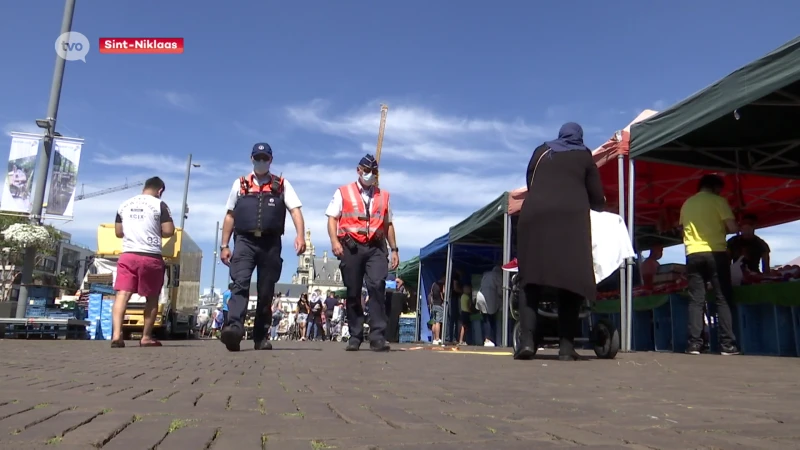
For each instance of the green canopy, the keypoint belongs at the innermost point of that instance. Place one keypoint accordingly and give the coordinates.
(409, 272)
(748, 121)
(484, 226)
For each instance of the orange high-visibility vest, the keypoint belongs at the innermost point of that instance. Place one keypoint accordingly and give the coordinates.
(355, 222)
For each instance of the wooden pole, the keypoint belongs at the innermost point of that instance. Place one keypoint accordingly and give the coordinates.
(381, 129)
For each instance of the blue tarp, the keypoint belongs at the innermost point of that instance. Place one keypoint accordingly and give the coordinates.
(437, 245)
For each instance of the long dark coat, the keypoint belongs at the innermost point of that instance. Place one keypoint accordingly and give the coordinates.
(554, 243)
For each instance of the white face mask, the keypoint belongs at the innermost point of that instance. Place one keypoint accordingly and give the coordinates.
(261, 167)
(368, 179)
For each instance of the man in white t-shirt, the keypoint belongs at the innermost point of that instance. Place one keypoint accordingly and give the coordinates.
(141, 223)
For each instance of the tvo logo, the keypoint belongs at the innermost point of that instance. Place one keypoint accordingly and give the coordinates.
(72, 46)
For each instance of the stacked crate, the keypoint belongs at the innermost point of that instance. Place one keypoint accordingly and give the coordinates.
(408, 329)
(99, 317)
(36, 308)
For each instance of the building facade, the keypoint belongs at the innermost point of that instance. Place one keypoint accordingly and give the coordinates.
(317, 272)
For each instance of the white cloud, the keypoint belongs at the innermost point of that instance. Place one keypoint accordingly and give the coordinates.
(22, 127)
(178, 100)
(419, 134)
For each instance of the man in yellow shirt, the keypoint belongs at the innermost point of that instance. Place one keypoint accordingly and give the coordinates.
(706, 219)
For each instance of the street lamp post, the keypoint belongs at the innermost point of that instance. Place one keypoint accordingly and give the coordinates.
(189, 166)
(43, 163)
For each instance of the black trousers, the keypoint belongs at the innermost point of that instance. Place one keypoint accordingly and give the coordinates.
(714, 268)
(254, 253)
(365, 265)
(569, 309)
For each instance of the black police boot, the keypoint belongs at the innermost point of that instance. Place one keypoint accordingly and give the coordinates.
(379, 346)
(231, 337)
(353, 345)
(263, 344)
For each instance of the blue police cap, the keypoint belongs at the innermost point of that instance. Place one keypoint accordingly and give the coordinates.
(369, 162)
(262, 148)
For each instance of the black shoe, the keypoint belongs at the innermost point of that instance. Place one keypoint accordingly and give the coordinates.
(263, 344)
(232, 338)
(729, 350)
(694, 349)
(379, 346)
(353, 345)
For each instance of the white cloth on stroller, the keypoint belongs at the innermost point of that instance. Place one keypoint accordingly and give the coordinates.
(611, 244)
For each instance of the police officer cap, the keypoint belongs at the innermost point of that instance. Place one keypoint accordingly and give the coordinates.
(369, 162)
(262, 148)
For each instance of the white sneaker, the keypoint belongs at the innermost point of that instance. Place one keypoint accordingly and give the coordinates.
(488, 343)
(436, 342)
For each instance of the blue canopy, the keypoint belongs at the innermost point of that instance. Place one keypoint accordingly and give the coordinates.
(438, 244)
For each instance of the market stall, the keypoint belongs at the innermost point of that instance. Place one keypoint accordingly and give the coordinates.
(744, 125)
(432, 263)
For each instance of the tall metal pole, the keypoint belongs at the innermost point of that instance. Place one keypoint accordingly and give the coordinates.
(186, 188)
(43, 162)
(214, 263)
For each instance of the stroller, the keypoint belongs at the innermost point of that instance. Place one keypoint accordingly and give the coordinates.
(604, 335)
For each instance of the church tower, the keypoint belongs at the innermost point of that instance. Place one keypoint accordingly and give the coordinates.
(305, 263)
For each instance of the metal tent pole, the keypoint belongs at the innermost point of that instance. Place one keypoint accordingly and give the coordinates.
(506, 277)
(418, 337)
(631, 262)
(447, 284)
(623, 290)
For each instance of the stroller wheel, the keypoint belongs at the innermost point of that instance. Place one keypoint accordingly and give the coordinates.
(517, 337)
(605, 338)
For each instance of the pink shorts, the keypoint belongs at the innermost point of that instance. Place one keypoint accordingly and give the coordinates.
(143, 275)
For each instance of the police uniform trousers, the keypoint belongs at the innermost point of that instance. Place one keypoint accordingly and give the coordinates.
(250, 253)
(365, 264)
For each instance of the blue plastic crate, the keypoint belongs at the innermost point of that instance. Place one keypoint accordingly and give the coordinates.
(406, 337)
(784, 325)
(102, 289)
(643, 331)
(679, 310)
(662, 328)
(758, 334)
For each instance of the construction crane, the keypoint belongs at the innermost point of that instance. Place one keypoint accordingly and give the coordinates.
(123, 187)
(381, 129)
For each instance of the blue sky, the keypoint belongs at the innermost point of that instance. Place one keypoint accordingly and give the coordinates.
(472, 88)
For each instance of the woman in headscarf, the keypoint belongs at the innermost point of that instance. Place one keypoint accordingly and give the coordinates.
(554, 242)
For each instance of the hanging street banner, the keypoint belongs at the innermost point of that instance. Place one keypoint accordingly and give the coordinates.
(64, 176)
(17, 190)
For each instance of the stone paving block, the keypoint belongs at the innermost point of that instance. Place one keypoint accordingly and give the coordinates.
(143, 434)
(99, 430)
(56, 427)
(18, 423)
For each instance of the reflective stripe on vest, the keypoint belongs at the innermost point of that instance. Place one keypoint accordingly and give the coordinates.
(354, 221)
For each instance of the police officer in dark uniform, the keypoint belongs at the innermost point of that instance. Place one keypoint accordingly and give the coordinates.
(256, 214)
(360, 226)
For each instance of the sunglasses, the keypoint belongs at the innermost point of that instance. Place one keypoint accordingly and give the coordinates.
(368, 170)
(262, 158)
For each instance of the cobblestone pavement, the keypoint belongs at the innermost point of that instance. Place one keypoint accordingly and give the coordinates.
(193, 395)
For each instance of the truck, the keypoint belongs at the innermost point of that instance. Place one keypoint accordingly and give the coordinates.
(180, 296)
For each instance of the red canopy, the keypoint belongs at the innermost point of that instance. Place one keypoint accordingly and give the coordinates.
(661, 189)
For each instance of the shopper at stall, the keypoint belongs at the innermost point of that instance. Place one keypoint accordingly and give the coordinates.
(488, 301)
(751, 248)
(554, 242)
(650, 265)
(436, 308)
(706, 218)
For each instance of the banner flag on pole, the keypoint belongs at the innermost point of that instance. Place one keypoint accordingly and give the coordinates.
(17, 190)
(64, 176)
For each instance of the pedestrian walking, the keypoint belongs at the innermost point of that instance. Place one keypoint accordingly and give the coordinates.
(255, 217)
(141, 222)
(360, 226)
